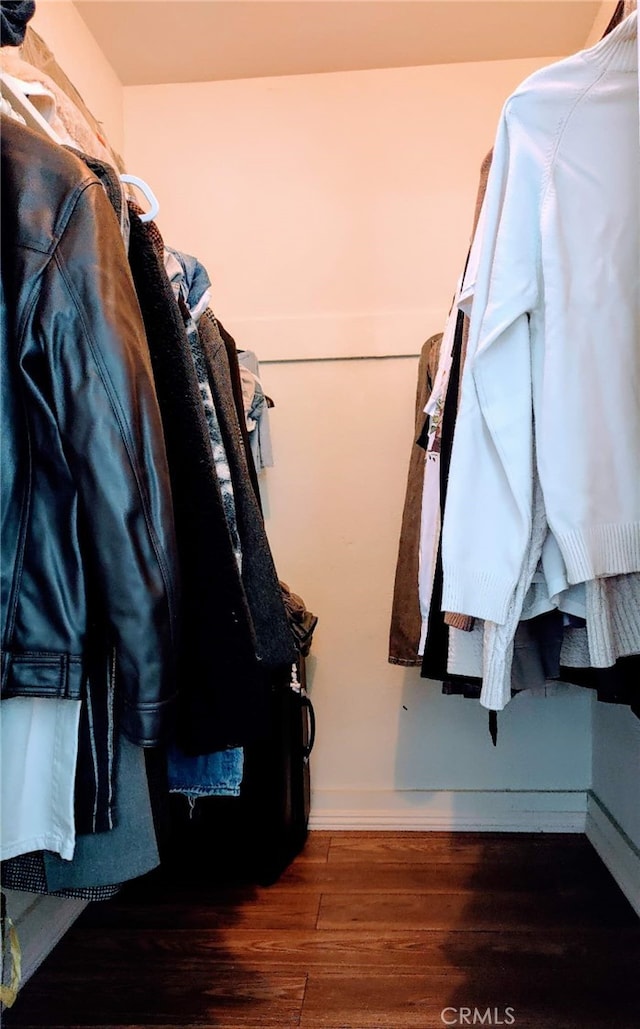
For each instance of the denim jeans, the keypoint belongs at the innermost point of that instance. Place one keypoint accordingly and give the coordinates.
(207, 775)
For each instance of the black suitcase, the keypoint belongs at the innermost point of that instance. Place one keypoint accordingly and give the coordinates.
(276, 792)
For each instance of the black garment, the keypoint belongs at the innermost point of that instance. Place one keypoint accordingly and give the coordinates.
(94, 795)
(457, 686)
(88, 549)
(223, 695)
(436, 651)
(236, 382)
(615, 685)
(14, 17)
(617, 16)
(274, 639)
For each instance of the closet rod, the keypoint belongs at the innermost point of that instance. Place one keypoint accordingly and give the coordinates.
(311, 360)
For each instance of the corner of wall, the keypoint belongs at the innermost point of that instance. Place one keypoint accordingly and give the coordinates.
(617, 851)
(81, 58)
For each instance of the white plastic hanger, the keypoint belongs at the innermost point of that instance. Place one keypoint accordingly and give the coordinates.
(22, 105)
(148, 193)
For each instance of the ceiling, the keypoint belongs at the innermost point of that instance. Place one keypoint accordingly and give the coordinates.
(150, 42)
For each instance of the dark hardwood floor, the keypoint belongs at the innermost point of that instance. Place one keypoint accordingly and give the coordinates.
(363, 931)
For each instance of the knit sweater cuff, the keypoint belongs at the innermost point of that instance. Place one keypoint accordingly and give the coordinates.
(496, 677)
(601, 551)
(477, 593)
(457, 621)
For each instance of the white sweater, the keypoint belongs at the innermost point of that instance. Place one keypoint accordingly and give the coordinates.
(554, 339)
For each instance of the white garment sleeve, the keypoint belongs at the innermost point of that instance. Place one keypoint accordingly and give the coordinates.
(487, 519)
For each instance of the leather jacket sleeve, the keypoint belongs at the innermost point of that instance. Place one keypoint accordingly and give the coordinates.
(87, 326)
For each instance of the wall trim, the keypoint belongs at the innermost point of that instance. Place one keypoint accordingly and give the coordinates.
(617, 850)
(450, 810)
(41, 922)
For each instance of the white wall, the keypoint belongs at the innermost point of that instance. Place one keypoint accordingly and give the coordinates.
(333, 210)
(80, 57)
(333, 213)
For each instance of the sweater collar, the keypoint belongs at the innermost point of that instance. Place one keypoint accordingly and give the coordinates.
(619, 50)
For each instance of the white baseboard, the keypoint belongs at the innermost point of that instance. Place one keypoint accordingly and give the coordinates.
(615, 848)
(40, 922)
(450, 810)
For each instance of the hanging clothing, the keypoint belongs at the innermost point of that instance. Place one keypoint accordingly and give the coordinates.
(236, 383)
(114, 189)
(537, 342)
(38, 752)
(611, 631)
(27, 873)
(435, 639)
(256, 411)
(190, 284)
(302, 622)
(223, 694)
(101, 861)
(206, 775)
(193, 280)
(453, 619)
(95, 546)
(129, 849)
(451, 356)
(406, 622)
(434, 482)
(274, 640)
(218, 773)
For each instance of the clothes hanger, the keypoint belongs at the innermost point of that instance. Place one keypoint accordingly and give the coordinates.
(23, 106)
(149, 195)
(623, 9)
(19, 101)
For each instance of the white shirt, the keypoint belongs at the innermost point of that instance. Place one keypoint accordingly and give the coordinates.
(38, 756)
(554, 337)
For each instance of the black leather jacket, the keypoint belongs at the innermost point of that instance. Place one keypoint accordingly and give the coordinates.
(87, 549)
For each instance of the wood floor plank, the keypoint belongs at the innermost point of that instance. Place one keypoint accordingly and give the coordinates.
(444, 877)
(262, 910)
(334, 950)
(468, 848)
(417, 1001)
(142, 996)
(316, 848)
(524, 912)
